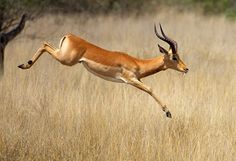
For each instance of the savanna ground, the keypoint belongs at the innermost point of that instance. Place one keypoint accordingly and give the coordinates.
(54, 112)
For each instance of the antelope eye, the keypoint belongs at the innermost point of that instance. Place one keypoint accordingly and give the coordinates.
(174, 58)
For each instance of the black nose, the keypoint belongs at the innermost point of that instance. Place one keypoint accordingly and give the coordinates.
(186, 70)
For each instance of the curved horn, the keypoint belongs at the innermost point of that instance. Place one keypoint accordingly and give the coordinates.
(159, 36)
(171, 42)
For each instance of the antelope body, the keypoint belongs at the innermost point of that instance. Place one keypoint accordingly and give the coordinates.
(111, 65)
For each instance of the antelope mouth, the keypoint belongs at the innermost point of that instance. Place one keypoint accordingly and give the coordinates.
(185, 71)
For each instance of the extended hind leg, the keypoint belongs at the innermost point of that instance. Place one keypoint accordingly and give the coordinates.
(45, 48)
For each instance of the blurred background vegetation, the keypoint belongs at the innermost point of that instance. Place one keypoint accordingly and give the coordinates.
(226, 7)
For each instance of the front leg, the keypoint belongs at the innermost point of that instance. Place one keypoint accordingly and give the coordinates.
(136, 83)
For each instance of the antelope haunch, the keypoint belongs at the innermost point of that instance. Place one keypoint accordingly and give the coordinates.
(114, 66)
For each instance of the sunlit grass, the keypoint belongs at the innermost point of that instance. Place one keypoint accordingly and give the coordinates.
(54, 112)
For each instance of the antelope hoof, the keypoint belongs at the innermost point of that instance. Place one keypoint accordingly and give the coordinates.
(21, 66)
(168, 114)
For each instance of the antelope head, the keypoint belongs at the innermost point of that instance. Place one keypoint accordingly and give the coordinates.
(171, 57)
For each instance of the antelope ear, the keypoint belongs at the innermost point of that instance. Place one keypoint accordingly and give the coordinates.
(162, 50)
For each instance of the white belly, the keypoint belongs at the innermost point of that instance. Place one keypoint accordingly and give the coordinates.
(106, 72)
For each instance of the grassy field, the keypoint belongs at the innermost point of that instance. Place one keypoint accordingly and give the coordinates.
(54, 112)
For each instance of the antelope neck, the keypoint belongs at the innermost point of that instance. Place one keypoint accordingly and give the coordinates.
(151, 66)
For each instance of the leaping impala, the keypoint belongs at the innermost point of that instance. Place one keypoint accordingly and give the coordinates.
(112, 65)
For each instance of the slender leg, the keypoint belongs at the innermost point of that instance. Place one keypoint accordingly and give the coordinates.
(136, 83)
(45, 48)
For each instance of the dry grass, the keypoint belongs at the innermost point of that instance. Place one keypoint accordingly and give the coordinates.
(54, 112)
